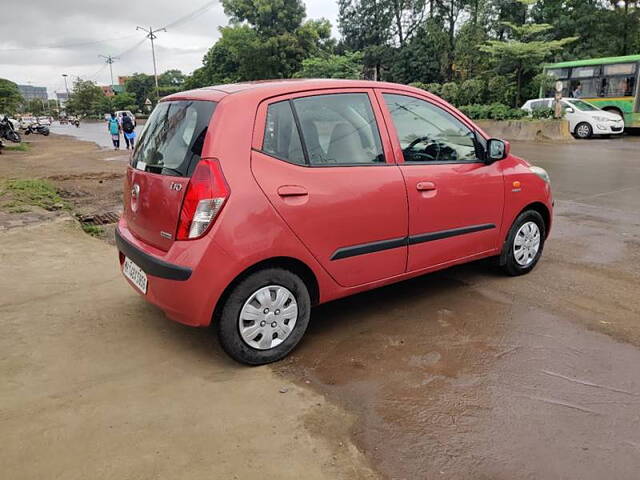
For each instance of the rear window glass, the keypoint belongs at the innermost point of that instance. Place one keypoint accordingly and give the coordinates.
(172, 139)
(281, 137)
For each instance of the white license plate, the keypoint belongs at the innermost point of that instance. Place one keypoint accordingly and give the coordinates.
(134, 273)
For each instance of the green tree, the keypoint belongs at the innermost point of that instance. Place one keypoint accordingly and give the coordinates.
(267, 39)
(348, 65)
(171, 78)
(86, 99)
(35, 106)
(10, 97)
(523, 51)
(125, 101)
(142, 86)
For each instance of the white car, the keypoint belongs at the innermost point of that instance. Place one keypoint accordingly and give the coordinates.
(585, 119)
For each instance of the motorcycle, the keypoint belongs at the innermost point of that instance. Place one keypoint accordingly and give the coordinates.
(8, 132)
(37, 128)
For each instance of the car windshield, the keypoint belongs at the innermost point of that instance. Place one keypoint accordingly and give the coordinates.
(583, 106)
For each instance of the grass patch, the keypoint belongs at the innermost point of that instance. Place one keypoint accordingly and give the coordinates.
(19, 195)
(93, 230)
(21, 147)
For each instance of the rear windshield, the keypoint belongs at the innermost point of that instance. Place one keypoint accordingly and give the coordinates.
(172, 139)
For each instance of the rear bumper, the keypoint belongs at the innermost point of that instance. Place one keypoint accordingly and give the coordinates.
(150, 264)
(181, 292)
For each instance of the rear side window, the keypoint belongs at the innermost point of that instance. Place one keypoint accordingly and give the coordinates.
(324, 130)
(172, 139)
(339, 129)
(281, 138)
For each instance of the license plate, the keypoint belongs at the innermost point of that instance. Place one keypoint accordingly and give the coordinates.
(134, 273)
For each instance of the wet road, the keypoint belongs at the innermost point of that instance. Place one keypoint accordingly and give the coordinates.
(91, 131)
(469, 374)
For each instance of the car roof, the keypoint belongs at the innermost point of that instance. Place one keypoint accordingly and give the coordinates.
(270, 88)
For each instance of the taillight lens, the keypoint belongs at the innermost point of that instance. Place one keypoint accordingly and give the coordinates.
(206, 194)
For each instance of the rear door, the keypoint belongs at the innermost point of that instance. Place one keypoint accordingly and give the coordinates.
(165, 156)
(455, 199)
(322, 162)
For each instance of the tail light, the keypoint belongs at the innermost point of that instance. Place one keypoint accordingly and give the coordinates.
(206, 194)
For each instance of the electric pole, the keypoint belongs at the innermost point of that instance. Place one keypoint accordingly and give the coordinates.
(109, 59)
(151, 35)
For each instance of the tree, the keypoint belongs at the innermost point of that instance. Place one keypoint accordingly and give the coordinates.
(10, 97)
(348, 65)
(142, 86)
(267, 39)
(522, 54)
(35, 106)
(125, 101)
(171, 78)
(86, 99)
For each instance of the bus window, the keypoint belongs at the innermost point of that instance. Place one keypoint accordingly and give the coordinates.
(558, 72)
(620, 69)
(589, 87)
(623, 83)
(585, 72)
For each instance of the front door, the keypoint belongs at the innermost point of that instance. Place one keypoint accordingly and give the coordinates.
(455, 199)
(324, 166)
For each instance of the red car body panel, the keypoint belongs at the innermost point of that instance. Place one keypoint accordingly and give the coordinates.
(277, 210)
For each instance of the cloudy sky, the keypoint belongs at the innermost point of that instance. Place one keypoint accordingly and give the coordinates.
(88, 28)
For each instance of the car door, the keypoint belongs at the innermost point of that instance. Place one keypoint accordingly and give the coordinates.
(320, 159)
(455, 199)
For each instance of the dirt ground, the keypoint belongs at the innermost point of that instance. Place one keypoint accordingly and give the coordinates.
(461, 374)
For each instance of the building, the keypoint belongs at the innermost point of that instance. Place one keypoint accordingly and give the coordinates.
(111, 90)
(62, 98)
(29, 92)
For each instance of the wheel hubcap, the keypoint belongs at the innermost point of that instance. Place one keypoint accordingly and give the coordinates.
(526, 244)
(583, 131)
(268, 317)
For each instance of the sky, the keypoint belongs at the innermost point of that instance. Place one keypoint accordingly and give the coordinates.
(89, 28)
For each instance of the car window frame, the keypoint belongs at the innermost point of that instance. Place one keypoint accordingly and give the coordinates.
(480, 137)
(261, 118)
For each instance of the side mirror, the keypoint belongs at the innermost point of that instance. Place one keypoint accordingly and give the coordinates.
(497, 150)
(569, 110)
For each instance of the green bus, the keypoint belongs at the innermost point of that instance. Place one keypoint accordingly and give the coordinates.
(610, 83)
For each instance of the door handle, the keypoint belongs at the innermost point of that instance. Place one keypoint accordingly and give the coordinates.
(292, 191)
(425, 186)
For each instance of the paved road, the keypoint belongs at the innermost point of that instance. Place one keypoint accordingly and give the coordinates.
(469, 374)
(91, 131)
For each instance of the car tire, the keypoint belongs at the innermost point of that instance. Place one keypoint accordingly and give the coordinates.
(583, 130)
(253, 307)
(515, 260)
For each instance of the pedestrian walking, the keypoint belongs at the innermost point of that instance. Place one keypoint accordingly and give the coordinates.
(114, 129)
(128, 130)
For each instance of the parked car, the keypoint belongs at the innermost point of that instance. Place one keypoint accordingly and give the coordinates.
(44, 121)
(585, 119)
(245, 205)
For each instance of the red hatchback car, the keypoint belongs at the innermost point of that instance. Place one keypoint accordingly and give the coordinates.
(245, 205)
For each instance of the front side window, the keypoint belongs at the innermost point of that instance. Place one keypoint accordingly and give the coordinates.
(428, 133)
(339, 129)
(172, 139)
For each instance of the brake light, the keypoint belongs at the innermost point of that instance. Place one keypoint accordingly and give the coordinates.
(206, 194)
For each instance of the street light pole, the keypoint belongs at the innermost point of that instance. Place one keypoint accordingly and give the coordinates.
(109, 59)
(66, 87)
(151, 35)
